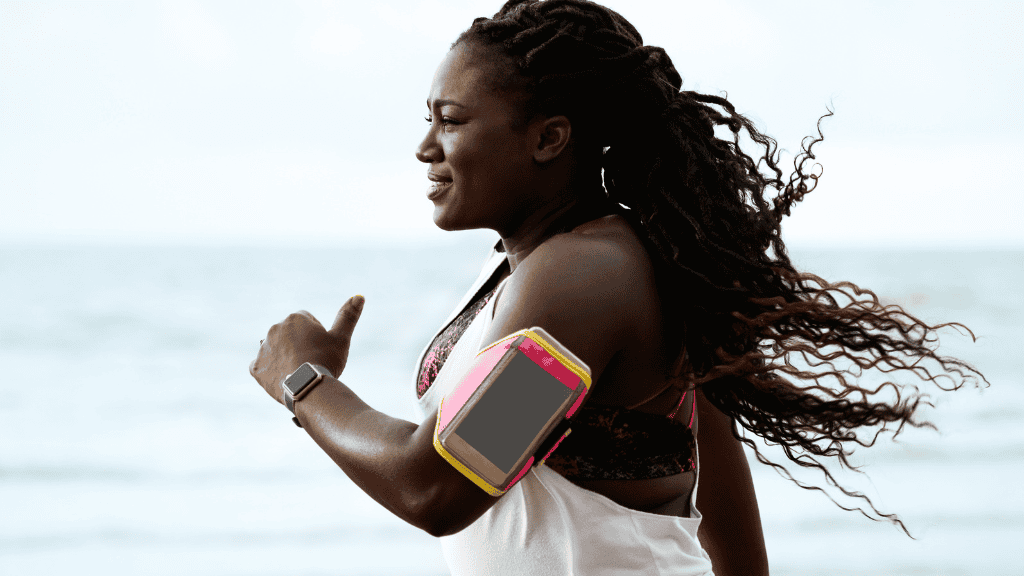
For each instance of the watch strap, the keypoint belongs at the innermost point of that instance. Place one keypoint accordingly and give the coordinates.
(289, 400)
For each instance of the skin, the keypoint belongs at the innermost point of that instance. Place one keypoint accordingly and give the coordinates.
(731, 528)
(517, 180)
(524, 181)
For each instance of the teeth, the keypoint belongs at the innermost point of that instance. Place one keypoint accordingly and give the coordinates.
(437, 186)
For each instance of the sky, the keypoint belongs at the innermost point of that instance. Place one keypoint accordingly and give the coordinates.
(295, 123)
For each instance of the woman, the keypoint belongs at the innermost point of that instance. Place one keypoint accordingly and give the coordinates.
(670, 281)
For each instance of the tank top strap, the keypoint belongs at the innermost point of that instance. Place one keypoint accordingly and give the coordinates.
(492, 303)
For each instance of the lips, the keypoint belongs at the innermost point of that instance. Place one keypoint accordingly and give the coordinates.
(440, 184)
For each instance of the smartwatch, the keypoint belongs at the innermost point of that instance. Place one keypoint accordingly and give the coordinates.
(299, 383)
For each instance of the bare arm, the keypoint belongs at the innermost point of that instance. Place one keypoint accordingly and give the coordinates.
(731, 529)
(369, 446)
(393, 460)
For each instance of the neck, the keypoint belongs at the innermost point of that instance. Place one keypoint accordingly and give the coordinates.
(544, 224)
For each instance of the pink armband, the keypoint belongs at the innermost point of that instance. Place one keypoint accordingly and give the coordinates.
(511, 410)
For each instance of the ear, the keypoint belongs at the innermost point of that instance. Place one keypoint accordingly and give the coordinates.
(552, 138)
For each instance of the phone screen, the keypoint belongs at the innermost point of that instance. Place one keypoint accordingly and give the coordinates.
(508, 416)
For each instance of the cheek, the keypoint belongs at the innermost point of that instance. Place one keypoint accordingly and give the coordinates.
(484, 163)
(449, 145)
(467, 158)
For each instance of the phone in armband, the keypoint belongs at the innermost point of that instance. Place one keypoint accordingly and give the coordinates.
(511, 410)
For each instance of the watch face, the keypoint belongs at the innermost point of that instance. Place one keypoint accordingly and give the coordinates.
(300, 379)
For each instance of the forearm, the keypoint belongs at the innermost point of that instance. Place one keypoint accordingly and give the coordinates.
(369, 446)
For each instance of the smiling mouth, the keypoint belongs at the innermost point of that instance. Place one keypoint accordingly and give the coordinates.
(438, 187)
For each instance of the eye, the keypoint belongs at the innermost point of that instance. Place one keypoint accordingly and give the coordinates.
(445, 121)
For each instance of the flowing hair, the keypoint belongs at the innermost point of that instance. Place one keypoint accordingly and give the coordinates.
(742, 313)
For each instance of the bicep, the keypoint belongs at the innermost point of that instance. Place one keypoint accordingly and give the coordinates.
(731, 527)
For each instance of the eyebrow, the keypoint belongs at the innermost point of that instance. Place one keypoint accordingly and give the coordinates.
(440, 103)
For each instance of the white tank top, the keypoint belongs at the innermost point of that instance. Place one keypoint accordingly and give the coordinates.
(548, 525)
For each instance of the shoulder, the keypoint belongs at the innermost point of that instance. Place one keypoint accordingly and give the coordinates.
(580, 289)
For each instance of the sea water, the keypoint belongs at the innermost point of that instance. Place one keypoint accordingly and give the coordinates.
(133, 440)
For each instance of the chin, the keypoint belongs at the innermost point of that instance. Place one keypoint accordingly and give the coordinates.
(443, 219)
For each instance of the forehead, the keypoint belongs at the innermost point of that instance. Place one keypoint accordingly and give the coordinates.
(466, 75)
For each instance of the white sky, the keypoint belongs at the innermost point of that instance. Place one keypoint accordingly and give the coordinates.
(255, 122)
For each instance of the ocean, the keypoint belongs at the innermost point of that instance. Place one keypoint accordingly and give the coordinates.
(134, 442)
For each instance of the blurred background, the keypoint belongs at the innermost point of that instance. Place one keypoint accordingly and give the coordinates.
(175, 177)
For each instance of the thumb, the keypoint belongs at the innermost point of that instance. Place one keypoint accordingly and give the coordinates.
(345, 321)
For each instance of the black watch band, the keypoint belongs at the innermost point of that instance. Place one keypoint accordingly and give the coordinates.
(300, 382)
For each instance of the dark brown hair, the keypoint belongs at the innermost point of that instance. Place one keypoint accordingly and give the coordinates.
(742, 312)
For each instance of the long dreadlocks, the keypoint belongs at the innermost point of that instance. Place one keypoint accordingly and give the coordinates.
(743, 313)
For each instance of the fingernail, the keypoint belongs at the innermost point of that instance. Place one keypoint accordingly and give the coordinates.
(358, 300)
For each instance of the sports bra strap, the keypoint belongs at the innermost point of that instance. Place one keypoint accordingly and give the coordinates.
(693, 409)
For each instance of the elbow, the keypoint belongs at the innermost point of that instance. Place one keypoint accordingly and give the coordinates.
(428, 526)
(439, 529)
(426, 513)
(427, 520)
(436, 532)
(435, 528)
(440, 517)
(438, 523)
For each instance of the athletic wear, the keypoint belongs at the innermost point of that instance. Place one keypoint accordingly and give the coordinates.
(546, 524)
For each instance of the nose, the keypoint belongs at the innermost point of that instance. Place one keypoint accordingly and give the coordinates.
(429, 150)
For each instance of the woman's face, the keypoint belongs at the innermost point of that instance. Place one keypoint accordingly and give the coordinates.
(477, 146)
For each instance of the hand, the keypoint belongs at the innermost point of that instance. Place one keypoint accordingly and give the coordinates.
(302, 338)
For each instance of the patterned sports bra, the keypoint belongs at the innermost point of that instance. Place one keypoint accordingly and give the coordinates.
(607, 442)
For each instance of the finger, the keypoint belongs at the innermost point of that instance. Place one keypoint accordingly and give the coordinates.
(252, 368)
(345, 321)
